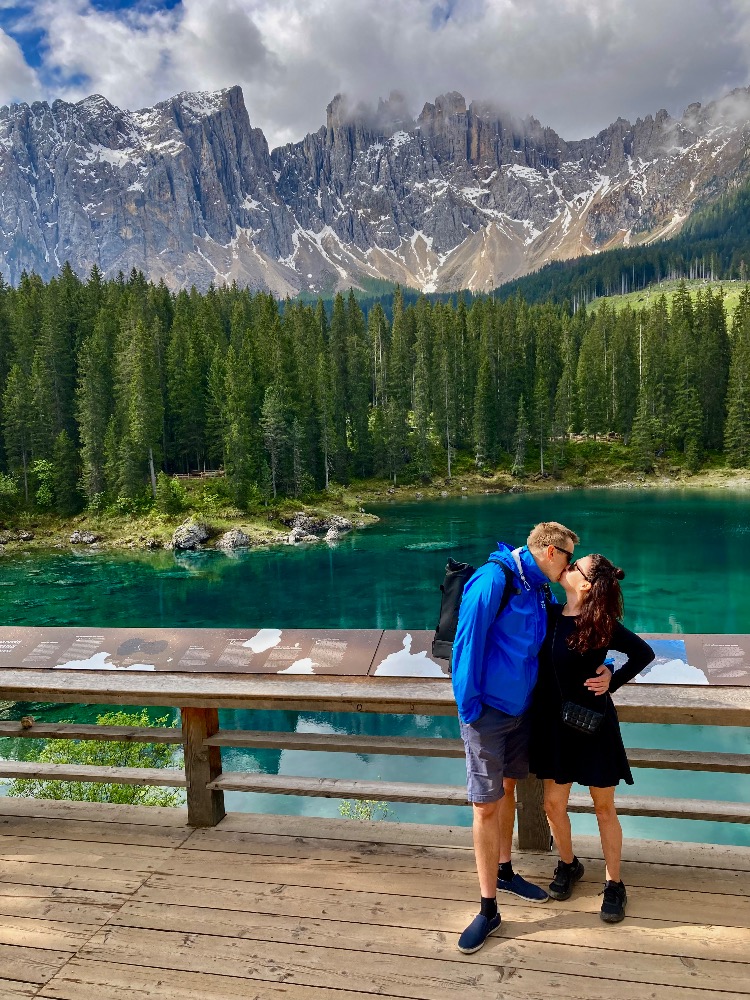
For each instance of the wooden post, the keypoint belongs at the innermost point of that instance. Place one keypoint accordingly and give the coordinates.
(533, 828)
(202, 764)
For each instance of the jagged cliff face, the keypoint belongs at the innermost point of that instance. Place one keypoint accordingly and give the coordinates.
(458, 198)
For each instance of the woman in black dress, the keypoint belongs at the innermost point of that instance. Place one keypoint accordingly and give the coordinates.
(573, 676)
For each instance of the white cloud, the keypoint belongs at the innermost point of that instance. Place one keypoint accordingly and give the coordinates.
(18, 81)
(575, 64)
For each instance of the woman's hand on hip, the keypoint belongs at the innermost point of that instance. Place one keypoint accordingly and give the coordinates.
(600, 683)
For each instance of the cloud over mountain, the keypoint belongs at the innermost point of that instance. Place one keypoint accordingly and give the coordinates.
(575, 63)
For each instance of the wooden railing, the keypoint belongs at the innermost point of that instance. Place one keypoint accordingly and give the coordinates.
(200, 696)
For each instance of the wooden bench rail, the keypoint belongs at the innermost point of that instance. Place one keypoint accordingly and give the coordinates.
(455, 795)
(340, 788)
(75, 731)
(643, 805)
(678, 760)
(336, 743)
(166, 776)
(201, 695)
(415, 746)
(690, 760)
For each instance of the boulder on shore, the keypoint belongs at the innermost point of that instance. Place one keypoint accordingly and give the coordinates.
(84, 537)
(235, 538)
(310, 525)
(189, 535)
(8, 535)
(338, 523)
(306, 523)
(300, 535)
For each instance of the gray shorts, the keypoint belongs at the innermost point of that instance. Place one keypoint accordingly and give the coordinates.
(497, 747)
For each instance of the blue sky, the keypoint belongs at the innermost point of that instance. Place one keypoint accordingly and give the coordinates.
(31, 40)
(574, 64)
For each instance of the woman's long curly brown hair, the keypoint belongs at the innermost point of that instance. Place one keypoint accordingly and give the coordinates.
(602, 607)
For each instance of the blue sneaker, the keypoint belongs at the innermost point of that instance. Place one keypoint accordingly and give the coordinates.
(477, 933)
(524, 890)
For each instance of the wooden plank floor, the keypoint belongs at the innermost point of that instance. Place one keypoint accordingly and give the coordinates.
(122, 903)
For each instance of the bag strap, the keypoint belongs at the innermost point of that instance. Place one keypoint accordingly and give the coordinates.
(508, 589)
(552, 661)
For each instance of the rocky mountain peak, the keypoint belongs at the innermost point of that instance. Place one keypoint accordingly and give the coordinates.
(461, 197)
(203, 104)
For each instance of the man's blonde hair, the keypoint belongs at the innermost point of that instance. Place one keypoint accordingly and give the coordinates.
(551, 533)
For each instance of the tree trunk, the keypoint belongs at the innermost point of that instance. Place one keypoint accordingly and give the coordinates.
(151, 471)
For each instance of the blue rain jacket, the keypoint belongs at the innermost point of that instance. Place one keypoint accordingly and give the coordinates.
(495, 658)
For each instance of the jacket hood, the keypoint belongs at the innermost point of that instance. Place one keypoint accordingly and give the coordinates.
(531, 572)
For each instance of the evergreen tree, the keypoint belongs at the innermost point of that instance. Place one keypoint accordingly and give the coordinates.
(521, 440)
(737, 432)
(712, 368)
(66, 476)
(337, 375)
(241, 451)
(398, 389)
(16, 407)
(41, 412)
(94, 400)
(592, 391)
(422, 407)
(187, 366)
(215, 394)
(358, 387)
(325, 413)
(275, 432)
(482, 413)
(445, 382)
(140, 405)
(642, 439)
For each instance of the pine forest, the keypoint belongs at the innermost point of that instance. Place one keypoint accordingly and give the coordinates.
(109, 388)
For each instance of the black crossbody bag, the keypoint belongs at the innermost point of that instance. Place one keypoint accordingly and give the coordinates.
(578, 717)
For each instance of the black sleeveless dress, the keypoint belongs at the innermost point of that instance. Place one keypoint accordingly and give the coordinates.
(557, 751)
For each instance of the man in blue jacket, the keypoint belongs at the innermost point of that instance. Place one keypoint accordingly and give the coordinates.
(494, 673)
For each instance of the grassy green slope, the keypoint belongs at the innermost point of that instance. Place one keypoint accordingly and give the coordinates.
(647, 296)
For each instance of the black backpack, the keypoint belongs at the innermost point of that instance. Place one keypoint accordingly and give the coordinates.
(457, 575)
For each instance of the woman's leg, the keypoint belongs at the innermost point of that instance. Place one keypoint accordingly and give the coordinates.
(556, 806)
(610, 830)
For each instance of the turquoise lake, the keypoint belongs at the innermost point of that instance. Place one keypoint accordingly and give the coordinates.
(685, 553)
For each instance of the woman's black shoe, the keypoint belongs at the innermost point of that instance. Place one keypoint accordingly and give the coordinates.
(615, 900)
(561, 886)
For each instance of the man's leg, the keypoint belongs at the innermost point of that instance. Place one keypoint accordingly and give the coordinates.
(487, 845)
(493, 835)
(506, 815)
(516, 767)
(485, 750)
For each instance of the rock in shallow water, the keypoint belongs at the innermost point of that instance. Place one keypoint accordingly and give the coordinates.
(235, 538)
(189, 535)
(300, 535)
(306, 528)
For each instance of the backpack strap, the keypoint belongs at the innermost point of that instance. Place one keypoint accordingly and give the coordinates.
(508, 590)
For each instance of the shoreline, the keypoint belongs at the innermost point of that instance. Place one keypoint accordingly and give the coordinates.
(271, 528)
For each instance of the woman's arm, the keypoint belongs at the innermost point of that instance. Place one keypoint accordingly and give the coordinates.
(638, 652)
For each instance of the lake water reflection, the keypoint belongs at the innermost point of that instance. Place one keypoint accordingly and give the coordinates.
(685, 554)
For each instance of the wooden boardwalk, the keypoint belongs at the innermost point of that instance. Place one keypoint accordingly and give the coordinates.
(122, 903)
